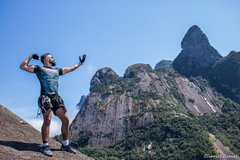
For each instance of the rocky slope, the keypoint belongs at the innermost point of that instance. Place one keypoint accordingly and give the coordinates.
(19, 140)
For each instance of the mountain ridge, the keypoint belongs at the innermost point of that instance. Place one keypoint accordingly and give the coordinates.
(160, 108)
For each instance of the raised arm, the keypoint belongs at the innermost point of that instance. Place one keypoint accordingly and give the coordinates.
(75, 66)
(24, 65)
(70, 69)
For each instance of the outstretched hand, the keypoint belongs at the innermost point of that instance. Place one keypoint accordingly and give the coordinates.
(82, 59)
(35, 56)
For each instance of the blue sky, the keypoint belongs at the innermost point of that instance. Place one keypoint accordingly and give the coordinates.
(113, 33)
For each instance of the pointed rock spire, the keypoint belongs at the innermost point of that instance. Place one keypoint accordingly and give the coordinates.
(197, 54)
(194, 38)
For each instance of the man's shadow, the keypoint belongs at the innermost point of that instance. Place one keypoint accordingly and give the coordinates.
(23, 146)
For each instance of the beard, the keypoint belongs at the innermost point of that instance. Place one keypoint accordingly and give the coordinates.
(53, 63)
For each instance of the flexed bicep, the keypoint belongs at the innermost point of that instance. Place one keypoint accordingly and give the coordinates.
(29, 68)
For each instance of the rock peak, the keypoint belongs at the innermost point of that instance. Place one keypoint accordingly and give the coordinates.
(195, 27)
(102, 76)
(163, 64)
(197, 54)
(133, 70)
(194, 38)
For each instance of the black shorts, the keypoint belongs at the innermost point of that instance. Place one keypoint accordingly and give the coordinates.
(52, 102)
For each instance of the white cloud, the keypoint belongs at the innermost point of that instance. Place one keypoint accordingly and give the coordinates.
(55, 127)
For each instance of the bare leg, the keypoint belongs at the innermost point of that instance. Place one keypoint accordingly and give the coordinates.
(65, 122)
(62, 114)
(47, 117)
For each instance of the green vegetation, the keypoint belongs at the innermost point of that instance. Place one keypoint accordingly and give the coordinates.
(117, 87)
(82, 139)
(225, 125)
(100, 154)
(126, 85)
(58, 138)
(224, 76)
(174, 138)
(200, 82)
(147, 95)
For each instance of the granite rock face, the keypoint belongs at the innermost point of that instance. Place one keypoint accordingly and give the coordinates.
(116, 105)
(121, 103)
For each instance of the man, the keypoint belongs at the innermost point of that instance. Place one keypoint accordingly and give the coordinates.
(49, 99)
